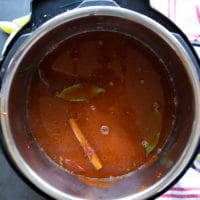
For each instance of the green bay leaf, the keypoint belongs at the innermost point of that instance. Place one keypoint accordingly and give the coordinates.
(150, 147)
(80, 92)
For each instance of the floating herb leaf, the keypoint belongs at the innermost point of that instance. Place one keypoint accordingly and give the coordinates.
(150, 147)
(42, 78)
(80, 92)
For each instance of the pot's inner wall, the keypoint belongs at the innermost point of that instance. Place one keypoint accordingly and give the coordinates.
(51, 173)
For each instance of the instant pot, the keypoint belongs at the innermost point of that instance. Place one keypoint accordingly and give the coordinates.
(51, 23)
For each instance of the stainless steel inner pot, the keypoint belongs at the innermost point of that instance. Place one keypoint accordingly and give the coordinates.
(29, 157)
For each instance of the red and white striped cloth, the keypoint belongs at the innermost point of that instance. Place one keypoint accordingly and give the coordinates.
(186, 14)
(187, 188)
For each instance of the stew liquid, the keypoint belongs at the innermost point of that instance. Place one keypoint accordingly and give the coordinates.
(112, 90)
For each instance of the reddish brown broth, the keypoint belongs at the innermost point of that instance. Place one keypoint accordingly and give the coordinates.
(137, 104)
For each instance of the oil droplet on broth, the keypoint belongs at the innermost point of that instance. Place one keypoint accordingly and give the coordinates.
(100, 43)
(139, 69)
(141, 81)
(111, 83)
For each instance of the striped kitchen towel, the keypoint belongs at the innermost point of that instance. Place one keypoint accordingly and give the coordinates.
(186, 15)
(187, 188)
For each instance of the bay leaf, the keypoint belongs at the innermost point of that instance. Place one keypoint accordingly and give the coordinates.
(80, 92)
(151, 146)
(42, 77)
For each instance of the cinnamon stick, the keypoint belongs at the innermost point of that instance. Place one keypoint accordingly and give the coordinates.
(88, 150)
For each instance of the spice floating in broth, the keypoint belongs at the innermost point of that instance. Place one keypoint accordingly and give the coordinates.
(88, 150)
(80, 92)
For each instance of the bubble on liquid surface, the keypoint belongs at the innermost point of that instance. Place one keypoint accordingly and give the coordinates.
(159, 150)
(175, 101)
(92, 107)
(144, 143)
(104, 130)
(156, 106)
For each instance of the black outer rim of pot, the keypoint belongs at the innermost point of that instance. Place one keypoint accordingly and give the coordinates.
(18, 172)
